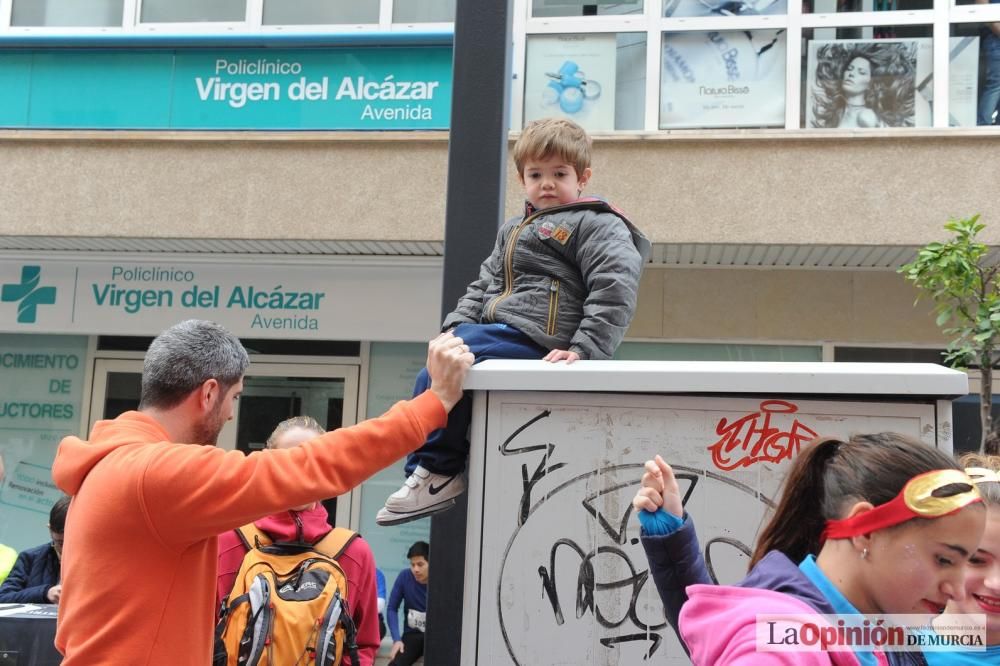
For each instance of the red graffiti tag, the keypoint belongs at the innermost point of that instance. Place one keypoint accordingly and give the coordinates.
(757, 439)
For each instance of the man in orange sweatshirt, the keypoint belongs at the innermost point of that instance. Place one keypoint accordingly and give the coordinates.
(140, 541)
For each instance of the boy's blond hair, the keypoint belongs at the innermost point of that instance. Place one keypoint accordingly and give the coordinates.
(547, 137)
(990, 490)
(304, 422)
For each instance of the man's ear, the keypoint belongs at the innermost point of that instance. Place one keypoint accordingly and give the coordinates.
(208, 394)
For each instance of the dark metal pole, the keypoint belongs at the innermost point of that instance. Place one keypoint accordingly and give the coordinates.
(477, 175)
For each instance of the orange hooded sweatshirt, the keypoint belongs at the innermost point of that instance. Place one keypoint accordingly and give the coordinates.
(140, 558)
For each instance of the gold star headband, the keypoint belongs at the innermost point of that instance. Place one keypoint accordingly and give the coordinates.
(982, 474)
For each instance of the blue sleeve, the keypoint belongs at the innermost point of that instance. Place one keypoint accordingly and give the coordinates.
(16, 589)
(675, 561)
(392, 608)
(379, 584)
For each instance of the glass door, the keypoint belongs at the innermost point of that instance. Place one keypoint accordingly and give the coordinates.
(272, 392)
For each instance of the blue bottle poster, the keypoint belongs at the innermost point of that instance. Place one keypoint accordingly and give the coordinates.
(572, 76)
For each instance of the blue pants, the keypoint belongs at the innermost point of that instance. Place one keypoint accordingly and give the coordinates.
(447, 449)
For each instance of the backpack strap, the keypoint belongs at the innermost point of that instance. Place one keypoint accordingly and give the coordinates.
(335, 542)
(251, 535)
(332, 544)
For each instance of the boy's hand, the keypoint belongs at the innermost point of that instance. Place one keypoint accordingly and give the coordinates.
(659, 489)
(561, 355)
(448, 361)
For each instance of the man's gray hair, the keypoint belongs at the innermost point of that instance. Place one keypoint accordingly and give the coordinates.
(184, 357)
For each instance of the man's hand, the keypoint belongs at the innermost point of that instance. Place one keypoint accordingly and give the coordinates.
(659, 489)
(53, 594)
(561, 355)
(448, 361)
(397, 647)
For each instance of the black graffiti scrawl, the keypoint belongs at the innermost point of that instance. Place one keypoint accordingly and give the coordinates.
(570, 569)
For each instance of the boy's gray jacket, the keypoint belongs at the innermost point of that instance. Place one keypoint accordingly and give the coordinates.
(566, 276)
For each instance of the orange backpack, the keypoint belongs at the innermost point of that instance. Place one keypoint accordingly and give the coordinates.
(288, 605)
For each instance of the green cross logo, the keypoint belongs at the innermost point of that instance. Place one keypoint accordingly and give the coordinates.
(27, 294)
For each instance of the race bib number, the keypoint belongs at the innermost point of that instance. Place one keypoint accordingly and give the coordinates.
(416, 619)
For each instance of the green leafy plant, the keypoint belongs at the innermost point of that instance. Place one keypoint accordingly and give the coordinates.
(966, 295)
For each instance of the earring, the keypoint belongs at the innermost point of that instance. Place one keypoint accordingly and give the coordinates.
(864, 553)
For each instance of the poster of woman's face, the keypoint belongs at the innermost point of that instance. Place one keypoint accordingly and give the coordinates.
(864, 83)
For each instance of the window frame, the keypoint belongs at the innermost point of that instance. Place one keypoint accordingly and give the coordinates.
(940, 19)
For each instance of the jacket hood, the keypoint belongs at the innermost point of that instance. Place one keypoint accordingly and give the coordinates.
(778, 573)
(309, 526)
(76, 457)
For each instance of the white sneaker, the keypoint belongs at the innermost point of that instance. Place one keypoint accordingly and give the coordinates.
(423, 493)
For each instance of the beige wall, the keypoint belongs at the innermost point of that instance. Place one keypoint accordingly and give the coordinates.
(798, 306)
(781, 188)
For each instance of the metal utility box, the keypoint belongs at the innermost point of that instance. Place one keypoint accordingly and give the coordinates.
(555, 573)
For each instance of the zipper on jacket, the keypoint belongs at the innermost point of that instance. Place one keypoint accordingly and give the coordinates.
(508, 267)
(553, 307)
(299, 533)
(508, 259)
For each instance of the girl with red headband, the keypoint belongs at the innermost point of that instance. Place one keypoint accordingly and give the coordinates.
(892, 523)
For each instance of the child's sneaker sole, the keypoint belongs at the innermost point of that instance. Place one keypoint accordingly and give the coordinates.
(386, 518)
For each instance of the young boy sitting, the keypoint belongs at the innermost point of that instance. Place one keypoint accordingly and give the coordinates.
(560, 285)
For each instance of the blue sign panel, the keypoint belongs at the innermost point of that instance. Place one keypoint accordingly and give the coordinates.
(258, 89)
(15, 76)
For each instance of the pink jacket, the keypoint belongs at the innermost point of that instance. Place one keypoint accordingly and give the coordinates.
(718, 624)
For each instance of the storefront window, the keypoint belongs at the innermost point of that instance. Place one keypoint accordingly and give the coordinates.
(678, 8)
(846, 354)
(392, 370)
(319, 12)
(834, 6)
(975, 75)
(424, 11)
(192, 11)
(543, 8)
(733, 78)
(867, 77)
(66, 13)
(597, 80)
(966, 416)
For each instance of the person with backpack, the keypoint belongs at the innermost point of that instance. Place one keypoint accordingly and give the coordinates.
(410, 589)
(305, 524)
(151, 493)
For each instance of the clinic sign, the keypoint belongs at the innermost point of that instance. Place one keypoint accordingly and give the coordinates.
(255, 89)
(169, 288)
(351, 300)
